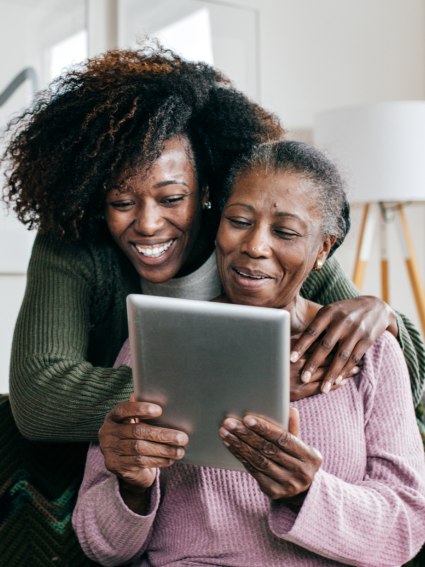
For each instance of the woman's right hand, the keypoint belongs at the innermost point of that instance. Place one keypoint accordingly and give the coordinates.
(300, 389)
(133, 450)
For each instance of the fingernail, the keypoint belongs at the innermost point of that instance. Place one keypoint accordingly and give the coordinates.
(294, 356)
(152, 410)
(181, 438)
(224, 432)
(305, 376)
(356, 370)
(230, 424)
(338, 380)
(250, 421)
(327, 388)
(226, 444)
(343, 382)
(180, 453)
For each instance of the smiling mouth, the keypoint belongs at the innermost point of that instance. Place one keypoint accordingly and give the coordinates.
(251, 276)
(154, 250)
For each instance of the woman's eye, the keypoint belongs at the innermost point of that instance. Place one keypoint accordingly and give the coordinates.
(170, 200)
(239, 223)
(122, 204)
(286, 234)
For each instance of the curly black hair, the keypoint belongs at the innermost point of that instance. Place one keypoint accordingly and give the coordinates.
(117, 111)
(298, 157)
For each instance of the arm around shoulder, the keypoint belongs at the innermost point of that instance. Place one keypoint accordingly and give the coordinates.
(56, 394)
(331, 284)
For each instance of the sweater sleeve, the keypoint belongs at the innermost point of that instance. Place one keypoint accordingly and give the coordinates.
(379, 521)
(331, 284)
(55, 393)
(108, 531)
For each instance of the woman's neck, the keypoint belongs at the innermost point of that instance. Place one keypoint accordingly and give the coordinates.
(200, 253)
(302, 313)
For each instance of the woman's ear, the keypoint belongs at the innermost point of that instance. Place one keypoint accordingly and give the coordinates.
(324, 251)
(205, 196)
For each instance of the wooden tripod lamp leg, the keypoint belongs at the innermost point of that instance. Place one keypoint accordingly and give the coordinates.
(384, 260)
(411, 264)
(365, 244)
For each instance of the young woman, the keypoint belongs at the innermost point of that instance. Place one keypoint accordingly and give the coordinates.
(349, 490)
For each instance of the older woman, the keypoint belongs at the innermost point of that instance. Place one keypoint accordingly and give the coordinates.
(349, 490)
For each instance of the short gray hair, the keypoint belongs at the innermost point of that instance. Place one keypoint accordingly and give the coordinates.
(297, 157)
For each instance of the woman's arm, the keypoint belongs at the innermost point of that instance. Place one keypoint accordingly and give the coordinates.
(380, 520)
(56, 394)
(108, 531)
(368, 317)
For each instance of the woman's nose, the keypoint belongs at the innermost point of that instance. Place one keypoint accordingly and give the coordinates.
(149, 219)
(257, 245)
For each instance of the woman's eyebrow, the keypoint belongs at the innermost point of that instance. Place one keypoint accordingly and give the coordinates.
(170, 182)
(291, 215)
(249, 207)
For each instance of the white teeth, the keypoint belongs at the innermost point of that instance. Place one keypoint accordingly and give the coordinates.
(156, 251)
(251, 277)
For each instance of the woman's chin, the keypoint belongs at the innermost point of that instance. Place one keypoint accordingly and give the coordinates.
(258, 297)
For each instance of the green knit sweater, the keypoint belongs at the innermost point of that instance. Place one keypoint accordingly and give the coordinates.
(73, 323)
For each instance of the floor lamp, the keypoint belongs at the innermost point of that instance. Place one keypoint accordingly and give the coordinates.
(381, 150)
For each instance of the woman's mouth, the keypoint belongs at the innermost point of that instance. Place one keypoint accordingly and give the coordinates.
(154, 250)
(153, 254)
(250, 278)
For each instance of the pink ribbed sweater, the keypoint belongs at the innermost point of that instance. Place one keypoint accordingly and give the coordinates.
(366, 505)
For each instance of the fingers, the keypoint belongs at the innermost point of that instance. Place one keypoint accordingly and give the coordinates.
(311, 333)
(131, 398)
(148, 432)
(272, 488)
(271, 439)
(294, 422)
(347, 356)
(250, 455)
(137, 462)
(130, 447)
(323, 349)
(293, 478)
(132, 410)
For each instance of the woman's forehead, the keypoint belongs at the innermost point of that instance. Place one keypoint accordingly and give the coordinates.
(273, 187)
(176, 159)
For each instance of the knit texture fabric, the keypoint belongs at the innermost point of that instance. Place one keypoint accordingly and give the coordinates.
(365, 507)
(71, 326)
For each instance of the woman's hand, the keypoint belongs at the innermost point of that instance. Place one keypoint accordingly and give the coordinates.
(282, 464)
(300, 389)
(349, 327)
(133, 450)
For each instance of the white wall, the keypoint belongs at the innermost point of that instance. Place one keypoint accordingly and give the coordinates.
(27, 30)
(318, 55)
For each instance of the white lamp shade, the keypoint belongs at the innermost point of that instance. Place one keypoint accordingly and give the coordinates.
(380, 149)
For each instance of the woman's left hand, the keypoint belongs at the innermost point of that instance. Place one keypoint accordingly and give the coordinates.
(348, 328)
(282, 464)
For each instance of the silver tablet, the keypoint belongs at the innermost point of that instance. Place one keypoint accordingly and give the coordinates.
(202, 361)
